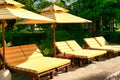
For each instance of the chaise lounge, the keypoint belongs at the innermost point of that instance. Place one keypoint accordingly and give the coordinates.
(28, 60)
(93, 44)
(71, 47)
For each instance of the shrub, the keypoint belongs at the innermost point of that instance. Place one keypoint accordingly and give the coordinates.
(112, 37)
(62, 35)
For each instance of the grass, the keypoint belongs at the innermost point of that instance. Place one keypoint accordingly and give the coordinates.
(19, 77)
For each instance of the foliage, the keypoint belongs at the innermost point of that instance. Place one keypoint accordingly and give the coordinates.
(62, 35)
(46, 52)
(29, 4)
(1, 64)
(41, 39)
(18, 38)
(101, 12)
(10, 25)
(47, 47)
(112, 37)
(44, 3)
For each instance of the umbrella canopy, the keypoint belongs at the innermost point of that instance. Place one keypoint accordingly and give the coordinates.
(60, 16)
(16, 13)
(11, 2)
(54, 8)
(10, 9)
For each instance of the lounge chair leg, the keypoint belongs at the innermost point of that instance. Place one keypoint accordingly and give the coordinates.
(89, 61)
(51, 75)
(109, 55)
(38, 78)
(66, 68)
(97, 58)
(118, 53)
(72, 62)
(32, 78)
(80, 62)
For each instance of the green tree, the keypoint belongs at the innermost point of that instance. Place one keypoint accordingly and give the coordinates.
(101, 12)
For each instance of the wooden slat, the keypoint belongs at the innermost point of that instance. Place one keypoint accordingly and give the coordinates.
(31, 51)
(14, 56)
(101, 40)
(63, 47)
(73, 45)
(91, 42)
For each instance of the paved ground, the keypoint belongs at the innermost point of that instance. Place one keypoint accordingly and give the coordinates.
(97, 70)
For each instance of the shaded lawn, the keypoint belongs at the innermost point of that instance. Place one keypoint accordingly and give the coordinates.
(19, 77)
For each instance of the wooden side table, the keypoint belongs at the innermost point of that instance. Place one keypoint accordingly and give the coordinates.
(66, 56)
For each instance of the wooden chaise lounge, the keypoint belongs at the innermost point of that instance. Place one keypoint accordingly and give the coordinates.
(28, 60)
(93, 44)
(70, 47)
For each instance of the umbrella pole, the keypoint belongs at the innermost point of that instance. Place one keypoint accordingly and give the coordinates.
(54, 37)
(3, 41)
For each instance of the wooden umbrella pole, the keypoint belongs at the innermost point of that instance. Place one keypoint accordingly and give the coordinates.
(3, 41)
(54, 37)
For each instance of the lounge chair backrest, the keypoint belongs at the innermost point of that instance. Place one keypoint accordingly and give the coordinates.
(63, 47)
(31, 51)
(101, 40)
(14, 55)
(91, 42)
(73, 45)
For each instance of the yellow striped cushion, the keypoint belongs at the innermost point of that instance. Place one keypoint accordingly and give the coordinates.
(101, 40)
(35, 63)
(73, 45)
(31, 51)
(91, 42)
(89, 53)
(13, 55)
(41, 65)
(63, 47)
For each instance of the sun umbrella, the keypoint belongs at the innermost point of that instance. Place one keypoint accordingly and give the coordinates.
(60, 15)
(10, 9)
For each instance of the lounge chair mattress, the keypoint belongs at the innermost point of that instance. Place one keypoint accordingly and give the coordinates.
(107, 48)
(87, 53)
(40, 65)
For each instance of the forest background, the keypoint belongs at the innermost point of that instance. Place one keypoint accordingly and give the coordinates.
(104, 14)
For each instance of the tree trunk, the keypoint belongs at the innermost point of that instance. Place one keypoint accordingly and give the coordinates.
(32, 29)
(93, 28)
(111, 24)
(101, 21)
